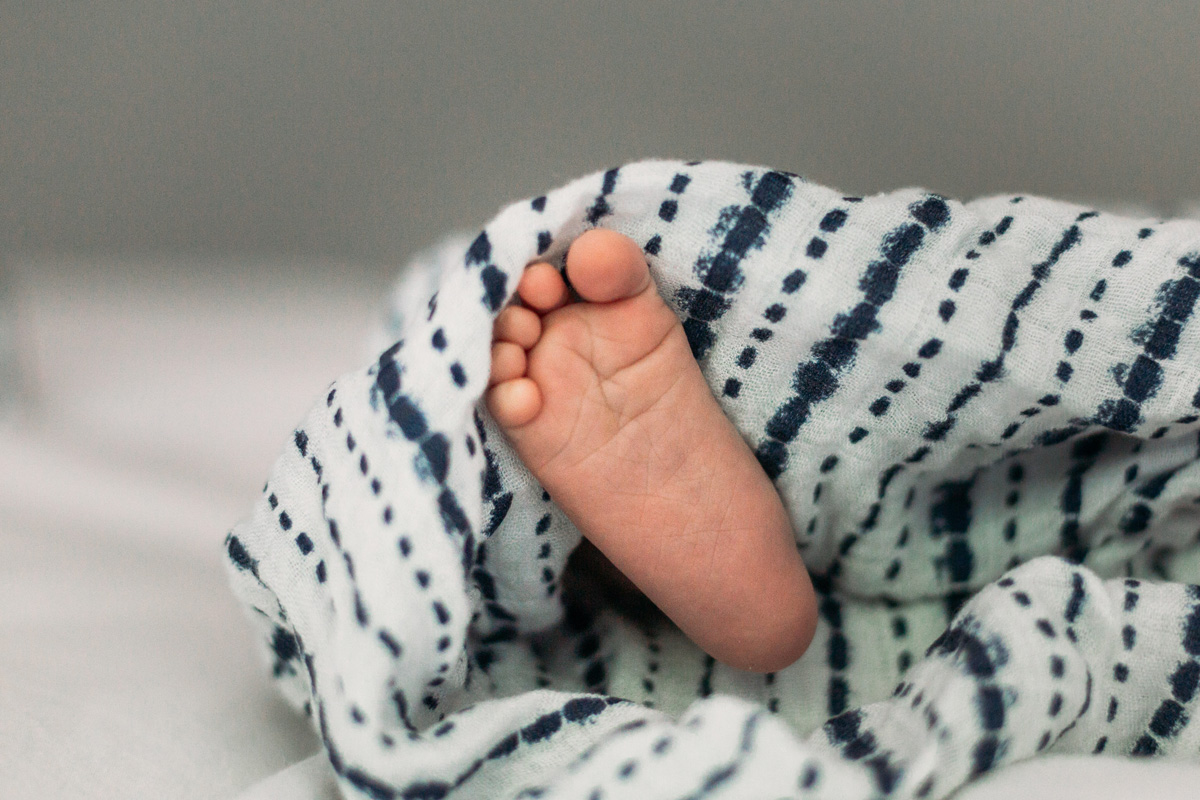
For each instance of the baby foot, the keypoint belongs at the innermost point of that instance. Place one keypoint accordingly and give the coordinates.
(603, 401)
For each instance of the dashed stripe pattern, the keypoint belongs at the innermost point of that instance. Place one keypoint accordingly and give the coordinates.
(984, 420)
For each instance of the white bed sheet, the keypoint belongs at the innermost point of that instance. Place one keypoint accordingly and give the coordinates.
(156, 395)
(160, 392)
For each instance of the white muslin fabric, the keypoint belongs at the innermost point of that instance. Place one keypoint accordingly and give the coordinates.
(983, 421)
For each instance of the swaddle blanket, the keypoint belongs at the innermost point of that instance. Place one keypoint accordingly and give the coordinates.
(982, 419)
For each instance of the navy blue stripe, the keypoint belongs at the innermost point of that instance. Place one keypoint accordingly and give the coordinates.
(992, 369)
(1158, 338)
(720, 274)
(816, 379)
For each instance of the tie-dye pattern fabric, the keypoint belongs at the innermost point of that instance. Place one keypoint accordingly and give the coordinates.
(983, 420)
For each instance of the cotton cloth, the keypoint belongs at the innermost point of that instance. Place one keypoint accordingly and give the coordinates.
(982, 419)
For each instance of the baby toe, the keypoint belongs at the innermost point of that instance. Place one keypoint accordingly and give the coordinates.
(519, 326)
(514, 403)
(508, 362)
(542, 288)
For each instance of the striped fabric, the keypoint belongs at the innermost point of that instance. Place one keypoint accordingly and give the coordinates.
(983, 420)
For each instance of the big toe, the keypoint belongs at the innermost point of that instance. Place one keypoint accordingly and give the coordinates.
(604, 266)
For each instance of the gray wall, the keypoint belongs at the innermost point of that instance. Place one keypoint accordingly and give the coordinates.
(363, 131)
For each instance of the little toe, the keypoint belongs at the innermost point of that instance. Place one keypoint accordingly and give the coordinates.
(604, 266)
(518, 325)
(542, 288)
(514, 403)
(508, 362)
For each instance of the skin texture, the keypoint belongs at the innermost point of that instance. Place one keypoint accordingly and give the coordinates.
(602, 400)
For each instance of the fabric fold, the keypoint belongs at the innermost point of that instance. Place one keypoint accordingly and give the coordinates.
(983, 420)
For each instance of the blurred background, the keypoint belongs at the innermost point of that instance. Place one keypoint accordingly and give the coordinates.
(203, 203)
(363, 131)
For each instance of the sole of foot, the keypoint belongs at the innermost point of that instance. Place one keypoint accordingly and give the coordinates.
(600, 396)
